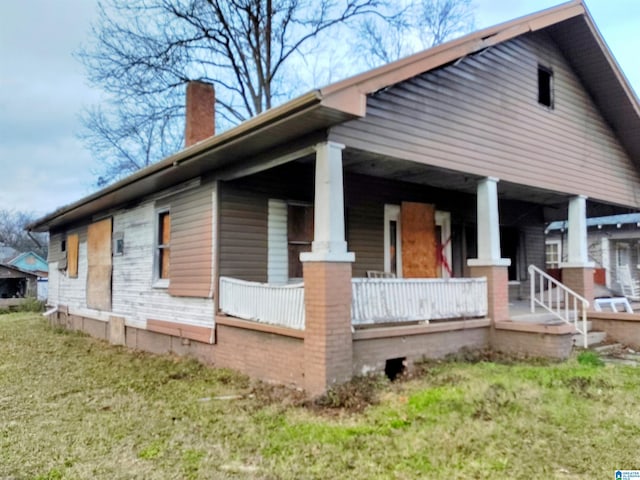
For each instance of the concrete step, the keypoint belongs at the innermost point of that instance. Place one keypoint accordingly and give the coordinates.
(608, 349)
(593, 338)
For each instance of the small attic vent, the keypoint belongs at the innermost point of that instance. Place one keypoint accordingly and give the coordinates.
(545, 86)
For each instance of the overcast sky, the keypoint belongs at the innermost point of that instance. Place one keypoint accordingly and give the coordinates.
(43, 89)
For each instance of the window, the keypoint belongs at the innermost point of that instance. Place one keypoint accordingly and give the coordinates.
(163, 245)
(545, 86)
(553, 254)
(622, 255)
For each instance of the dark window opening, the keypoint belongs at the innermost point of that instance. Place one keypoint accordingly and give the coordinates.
(393, 248)
(545, 86)
(63, 246)
(299, 235)
(510, 246)
(395, 367)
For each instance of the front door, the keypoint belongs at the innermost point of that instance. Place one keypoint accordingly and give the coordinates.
(417, 241)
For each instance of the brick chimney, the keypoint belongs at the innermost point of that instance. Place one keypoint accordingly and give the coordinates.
(200, 116)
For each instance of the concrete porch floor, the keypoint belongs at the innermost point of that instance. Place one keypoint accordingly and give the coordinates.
(520, 310)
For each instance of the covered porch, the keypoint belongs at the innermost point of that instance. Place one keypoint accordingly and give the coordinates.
(297, 241)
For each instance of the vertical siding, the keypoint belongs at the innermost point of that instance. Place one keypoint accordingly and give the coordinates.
(134, 296)
(481, 116)
(243, 234)
(278, 265)
(365, 237)
(191, 271)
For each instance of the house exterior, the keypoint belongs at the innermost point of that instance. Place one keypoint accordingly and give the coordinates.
(30, 262)
(614, 248)
(251, 249)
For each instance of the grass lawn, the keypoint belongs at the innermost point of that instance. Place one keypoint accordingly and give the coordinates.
(74, 407)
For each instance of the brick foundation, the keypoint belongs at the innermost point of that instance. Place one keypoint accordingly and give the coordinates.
(620, 327)
(259, 353)
(532, 339)
(373, 347)
(580, 280)
(497, 290)
(328, 356)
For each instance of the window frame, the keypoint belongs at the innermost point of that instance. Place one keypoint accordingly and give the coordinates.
(558, 244)
(158, 280)
(547, 72)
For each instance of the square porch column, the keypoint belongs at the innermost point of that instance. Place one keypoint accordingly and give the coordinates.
(489, 263)
(328, 357)
(577, 272)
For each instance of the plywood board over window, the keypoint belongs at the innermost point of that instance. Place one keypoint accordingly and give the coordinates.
(99, 265)
(72, 245)
(419, 245)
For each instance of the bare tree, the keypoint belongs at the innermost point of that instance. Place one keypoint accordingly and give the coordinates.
(408, 26)
(14, 235)
(144, 51)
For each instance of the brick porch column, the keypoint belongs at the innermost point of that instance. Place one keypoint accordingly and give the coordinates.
(489, 262)
(577, 272)
(328, 357)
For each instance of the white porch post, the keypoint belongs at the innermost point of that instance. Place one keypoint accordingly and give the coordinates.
(489, 263)
(577, 272)
(488, 226)
(329, 243)
(578, 250)
(606, 261)
(328, 347)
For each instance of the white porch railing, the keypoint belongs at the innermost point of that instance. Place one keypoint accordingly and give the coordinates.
(281, 305)
(568, 307)
(383, 300)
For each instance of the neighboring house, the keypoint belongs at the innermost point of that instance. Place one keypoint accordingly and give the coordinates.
(614, 247)
(16, 283)
(250, 249)
(34, 263)
(31, 262)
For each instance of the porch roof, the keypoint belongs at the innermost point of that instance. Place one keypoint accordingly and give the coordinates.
(299, 123)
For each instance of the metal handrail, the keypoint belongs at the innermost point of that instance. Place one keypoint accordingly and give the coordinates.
(561, 312)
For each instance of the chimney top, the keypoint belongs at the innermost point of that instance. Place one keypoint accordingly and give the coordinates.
(200, 112)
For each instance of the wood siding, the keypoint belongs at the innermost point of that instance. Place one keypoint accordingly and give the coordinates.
(65, 290)
(243, 234)
(244, 216)
(481, 116)
(134, 296)
(191, 272)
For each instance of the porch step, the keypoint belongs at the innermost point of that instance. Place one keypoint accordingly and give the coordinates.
(608, 349)
(624, 356)
(593, 338)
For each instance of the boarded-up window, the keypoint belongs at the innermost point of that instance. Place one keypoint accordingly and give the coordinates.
(299, 236)
(72, 245)
(99, 265)
(164, 242)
